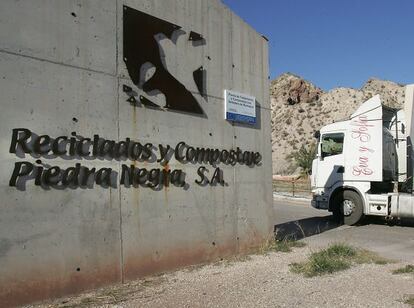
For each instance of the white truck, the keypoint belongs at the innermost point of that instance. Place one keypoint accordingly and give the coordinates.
(364, 165)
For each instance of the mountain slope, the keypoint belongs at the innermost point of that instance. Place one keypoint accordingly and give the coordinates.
(299, 108)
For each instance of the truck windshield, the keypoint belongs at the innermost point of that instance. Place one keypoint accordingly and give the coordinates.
(332, 144)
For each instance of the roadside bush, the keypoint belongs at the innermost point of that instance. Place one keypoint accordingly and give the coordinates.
(303, 158)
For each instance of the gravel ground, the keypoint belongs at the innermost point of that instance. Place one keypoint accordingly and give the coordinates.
(256, 281)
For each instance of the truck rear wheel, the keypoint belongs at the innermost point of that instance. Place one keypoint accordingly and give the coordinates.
(348, 207)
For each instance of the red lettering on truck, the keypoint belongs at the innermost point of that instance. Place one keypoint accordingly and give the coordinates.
(362, 168)
(361, 132)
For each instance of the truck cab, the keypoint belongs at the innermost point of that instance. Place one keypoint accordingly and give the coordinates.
(361, 166)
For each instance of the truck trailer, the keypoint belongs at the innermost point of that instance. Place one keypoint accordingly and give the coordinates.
(364, 165)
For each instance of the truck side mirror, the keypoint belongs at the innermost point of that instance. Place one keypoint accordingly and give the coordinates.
(317, 134)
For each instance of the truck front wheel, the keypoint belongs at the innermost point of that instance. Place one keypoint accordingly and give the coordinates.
(348, 207)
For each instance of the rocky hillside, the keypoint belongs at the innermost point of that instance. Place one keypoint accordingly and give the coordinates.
(299, 108)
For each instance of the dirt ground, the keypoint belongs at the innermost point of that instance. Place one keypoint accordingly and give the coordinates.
(262, 280)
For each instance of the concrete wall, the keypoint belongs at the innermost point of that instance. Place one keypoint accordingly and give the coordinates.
(62, 71)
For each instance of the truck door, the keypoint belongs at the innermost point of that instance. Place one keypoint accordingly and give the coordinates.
(330, 160)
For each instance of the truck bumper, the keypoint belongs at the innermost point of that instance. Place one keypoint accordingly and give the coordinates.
(320, 202)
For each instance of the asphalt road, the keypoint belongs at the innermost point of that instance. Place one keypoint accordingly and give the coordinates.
(297, 219)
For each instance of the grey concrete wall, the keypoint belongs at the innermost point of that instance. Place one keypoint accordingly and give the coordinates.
(62, 71)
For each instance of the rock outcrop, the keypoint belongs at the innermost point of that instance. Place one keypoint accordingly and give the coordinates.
(299, 108)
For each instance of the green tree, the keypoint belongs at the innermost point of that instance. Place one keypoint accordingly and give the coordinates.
(303, 158)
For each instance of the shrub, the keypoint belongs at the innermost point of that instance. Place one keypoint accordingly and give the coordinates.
(303, 158)
(337, 257)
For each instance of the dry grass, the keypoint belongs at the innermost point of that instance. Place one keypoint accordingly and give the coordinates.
(404, 270)
(368, 257)
(285, 245)
(409, 300)
(335, 258)
(231, 260)
(111, 295)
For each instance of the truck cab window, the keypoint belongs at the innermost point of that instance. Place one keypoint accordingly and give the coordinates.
(332, 144)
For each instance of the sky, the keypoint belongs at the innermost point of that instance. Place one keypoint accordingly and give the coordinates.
(335, 43)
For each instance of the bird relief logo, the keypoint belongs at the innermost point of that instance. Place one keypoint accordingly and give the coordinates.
(145, 41)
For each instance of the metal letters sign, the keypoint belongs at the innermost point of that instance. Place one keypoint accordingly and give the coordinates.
(239, 107)
(24, 141)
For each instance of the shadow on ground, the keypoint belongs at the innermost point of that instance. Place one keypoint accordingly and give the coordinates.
(299, 229)
(302, 228)
(372, 220)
